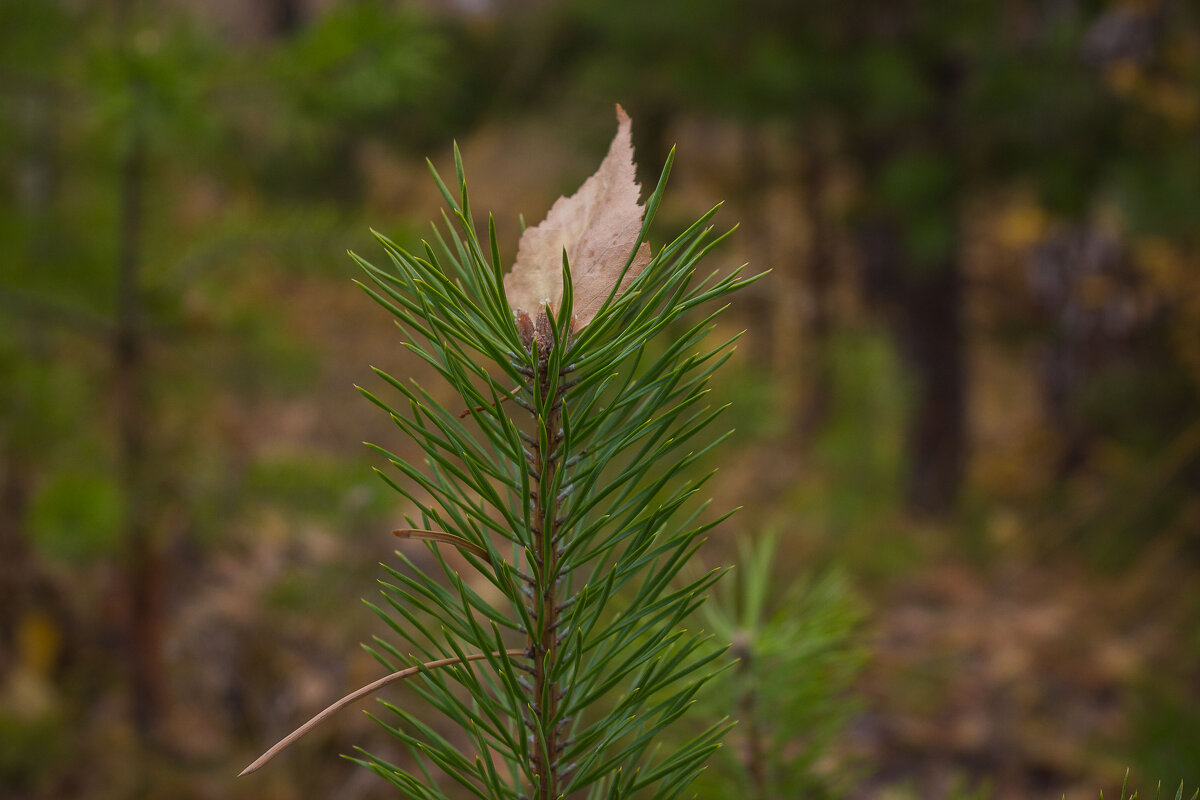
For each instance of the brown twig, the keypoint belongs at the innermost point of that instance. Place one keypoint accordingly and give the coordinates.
(358, 694)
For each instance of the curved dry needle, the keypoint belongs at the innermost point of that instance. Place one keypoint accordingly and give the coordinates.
(447, 538)
(363, 692)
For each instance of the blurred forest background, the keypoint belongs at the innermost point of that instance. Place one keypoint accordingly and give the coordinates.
(966, 400)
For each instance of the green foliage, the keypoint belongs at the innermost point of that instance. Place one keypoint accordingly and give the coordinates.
(848, 506)
(362, 70)
(154, 84)
(77, 517)
(1126, 795)
(347, 69)
(312, 485)
(797, 657)
(31, 750)
(567, 501)
(917, 188)
(1166, 735)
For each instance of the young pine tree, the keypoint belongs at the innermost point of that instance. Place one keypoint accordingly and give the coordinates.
(563, 478)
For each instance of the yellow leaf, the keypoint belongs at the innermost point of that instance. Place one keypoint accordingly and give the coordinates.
(1021, 226)
(38, 642)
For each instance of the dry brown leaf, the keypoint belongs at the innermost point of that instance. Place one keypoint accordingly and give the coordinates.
(597, 226)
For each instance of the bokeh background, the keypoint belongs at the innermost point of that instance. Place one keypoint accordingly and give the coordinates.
(967, 390)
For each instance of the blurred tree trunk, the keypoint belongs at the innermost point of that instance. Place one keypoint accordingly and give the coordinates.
(129, 347)
(924, 308)
(935, 336)
(129, 366)
(923, 298)
(932, 339)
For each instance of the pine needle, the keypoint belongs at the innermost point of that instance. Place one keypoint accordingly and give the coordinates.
(358, 694)
(446, 538)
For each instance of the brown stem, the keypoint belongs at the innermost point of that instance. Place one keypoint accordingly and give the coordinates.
(543, 640)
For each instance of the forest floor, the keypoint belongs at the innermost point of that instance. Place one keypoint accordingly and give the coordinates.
(1022, 679)
(1010, 679)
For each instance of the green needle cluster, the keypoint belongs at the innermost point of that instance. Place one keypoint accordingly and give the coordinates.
(562, 480)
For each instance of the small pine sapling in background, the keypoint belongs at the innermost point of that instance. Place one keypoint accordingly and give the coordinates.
(797, 656)
(563, 480)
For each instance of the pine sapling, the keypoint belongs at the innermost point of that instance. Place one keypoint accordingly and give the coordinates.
(565, 479)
